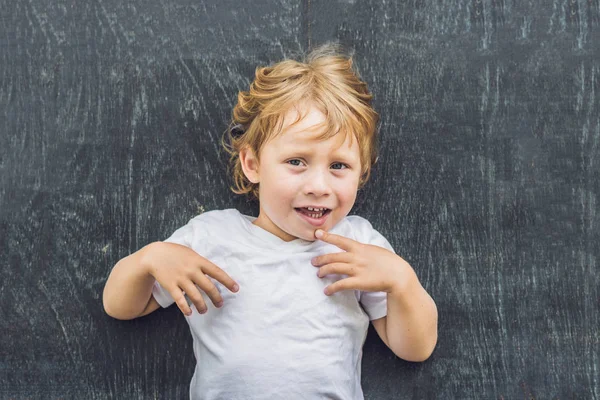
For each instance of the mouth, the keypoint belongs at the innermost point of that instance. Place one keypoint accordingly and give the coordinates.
(314, 215)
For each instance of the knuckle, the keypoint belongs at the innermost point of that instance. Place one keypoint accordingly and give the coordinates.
(183, 305)
(214, 294)
(202, 267)
(214, 291)
(196, 297)
(180, 280)
(199, 303)
(178, 296)
(199, 280)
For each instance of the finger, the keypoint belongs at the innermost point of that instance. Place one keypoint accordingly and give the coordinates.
(342, 284)
(208, 287)
(180, 300)
(217, 273)
(336, 268)
(344, 257)
(195, 296)
(342, 242)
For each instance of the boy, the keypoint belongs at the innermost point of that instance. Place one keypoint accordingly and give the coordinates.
(291, 291)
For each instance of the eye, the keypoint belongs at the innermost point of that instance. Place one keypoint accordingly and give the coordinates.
(339, 165)
(295, 162)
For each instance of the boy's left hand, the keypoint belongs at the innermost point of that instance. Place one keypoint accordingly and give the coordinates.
(369, 268)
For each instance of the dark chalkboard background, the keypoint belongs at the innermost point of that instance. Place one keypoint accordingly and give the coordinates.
(488, 184)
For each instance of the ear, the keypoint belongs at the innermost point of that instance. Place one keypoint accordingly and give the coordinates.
(250, 164)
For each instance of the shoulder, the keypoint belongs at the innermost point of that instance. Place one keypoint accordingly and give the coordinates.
(359, 222)
(361, 230)
(212, 222)
(218, 216)
(355, 227)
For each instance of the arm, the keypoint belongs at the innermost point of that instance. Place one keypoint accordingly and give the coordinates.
(179, 270)
(410, 327)
(128, 290)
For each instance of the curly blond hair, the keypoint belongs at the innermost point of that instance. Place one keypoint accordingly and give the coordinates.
(326, 79)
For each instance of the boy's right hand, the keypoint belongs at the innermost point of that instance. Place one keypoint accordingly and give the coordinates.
(180, 270)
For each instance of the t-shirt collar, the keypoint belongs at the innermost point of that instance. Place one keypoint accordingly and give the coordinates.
(265, 238)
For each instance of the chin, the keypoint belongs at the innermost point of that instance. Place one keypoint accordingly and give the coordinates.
(309, 234)
(311, 238)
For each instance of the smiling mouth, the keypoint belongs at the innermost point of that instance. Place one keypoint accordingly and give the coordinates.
(313, 212)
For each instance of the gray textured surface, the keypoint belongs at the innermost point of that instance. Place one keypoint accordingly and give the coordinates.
(110, 116)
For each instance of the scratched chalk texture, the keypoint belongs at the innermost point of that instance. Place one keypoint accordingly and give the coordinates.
(488, 183)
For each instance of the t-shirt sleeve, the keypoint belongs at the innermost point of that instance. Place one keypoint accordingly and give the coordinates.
(374, 303)
(183, 236)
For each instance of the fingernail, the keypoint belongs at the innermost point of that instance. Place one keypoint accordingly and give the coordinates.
(313, 261)
(319, 233)
(203, 311)
(219, 304)
(236, 287)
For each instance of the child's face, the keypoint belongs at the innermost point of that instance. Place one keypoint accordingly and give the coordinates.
(297, 171)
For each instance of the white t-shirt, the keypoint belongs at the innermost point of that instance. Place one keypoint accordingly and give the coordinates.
(279, 336)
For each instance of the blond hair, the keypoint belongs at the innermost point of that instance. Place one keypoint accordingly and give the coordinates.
(325, 79)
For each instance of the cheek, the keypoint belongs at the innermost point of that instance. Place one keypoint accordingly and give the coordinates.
(278, 188)
(350, 198)
(347, 191)
(284, 188)
(285, 182)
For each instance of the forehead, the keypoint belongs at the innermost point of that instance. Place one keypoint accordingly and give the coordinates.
(306, 125)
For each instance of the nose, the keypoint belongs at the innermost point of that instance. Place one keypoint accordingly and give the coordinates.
(317, 183)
